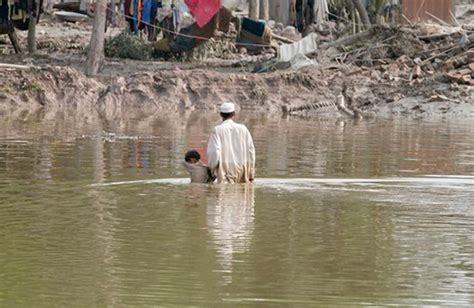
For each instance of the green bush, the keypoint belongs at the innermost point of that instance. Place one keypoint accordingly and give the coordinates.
(128, 46)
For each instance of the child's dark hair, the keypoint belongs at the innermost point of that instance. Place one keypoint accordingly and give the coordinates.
(192, 154)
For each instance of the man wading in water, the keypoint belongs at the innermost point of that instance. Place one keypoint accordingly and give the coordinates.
(231, 153)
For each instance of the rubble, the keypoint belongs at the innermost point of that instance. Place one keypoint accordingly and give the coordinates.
(215, 49)
(410, 53)
(462, 68)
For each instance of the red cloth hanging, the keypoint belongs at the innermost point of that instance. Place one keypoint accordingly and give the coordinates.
(203, 10)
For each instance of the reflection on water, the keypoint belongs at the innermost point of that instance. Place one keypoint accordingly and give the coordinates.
(154, 148)
(342, 213)
(230, 216)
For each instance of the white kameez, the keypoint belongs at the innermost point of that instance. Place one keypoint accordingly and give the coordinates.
(231, 153)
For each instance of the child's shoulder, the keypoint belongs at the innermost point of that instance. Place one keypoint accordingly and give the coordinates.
(201, 164)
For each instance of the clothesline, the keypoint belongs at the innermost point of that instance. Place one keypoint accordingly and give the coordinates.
(179, 33)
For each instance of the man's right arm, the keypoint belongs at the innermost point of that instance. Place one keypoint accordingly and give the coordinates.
(251, 158)
(213, 150)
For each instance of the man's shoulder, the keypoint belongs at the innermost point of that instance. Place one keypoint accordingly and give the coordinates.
(239, 125)
(242, 127)
(230, 125)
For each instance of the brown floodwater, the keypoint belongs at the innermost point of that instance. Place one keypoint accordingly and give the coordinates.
(342, 213)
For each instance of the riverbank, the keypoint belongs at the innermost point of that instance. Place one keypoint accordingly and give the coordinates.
(56, 88)
(309, 92)
(52, 81)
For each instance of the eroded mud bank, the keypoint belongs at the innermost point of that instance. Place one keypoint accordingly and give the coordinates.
(312, 92)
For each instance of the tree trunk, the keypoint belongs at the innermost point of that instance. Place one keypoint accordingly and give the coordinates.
(95, 54)
(33, 9)
(362, 13)
(113, 7)
(32, 34)
(265, 9)
(254, 8)
(14, 40)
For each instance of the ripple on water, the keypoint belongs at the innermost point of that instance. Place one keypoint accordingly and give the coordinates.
(332, 219)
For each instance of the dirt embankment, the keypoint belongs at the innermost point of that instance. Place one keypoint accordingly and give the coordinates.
(56, 91)
(65, 89)
(418, 72)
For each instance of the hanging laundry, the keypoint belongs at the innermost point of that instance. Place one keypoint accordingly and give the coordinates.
(203, 10)
(128, 12)
(146, 11)
(193, 36)
(4, 12)
(152, 26)
(17, 13)
(135, 14)
(309, 13)
(176, 17)
(183, 8)
(321, 10)
(156, 5)
(300, 12)
(139, 12)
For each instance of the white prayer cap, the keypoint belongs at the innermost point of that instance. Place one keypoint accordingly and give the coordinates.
(227, 107)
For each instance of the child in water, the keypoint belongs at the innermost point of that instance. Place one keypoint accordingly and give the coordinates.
(198, 171)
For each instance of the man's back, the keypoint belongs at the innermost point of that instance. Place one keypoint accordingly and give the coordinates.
(231, 153)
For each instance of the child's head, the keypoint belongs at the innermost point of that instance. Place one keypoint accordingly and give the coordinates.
(192, 157)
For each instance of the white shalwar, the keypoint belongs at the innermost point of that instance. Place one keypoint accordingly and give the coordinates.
(231, 153)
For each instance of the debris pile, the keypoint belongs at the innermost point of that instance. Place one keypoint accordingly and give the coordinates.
(461, 68)
(215, 49)
(51, 45)
(410, 53)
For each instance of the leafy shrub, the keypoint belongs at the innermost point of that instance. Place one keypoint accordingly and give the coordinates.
(128, 46)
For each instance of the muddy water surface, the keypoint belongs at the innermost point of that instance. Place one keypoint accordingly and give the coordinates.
(368, 213)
